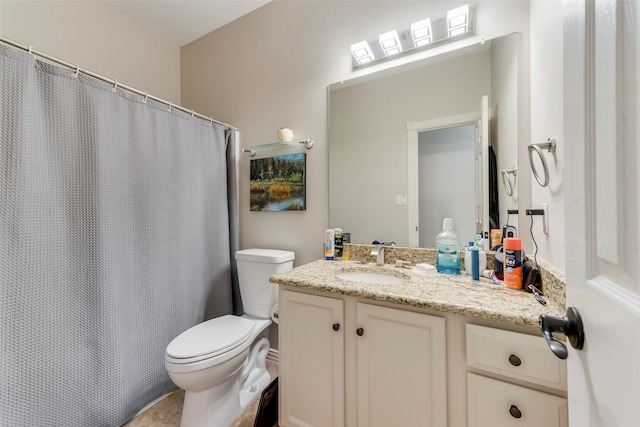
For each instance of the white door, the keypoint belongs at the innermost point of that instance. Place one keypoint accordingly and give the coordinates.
(482, 171)
(602, 102)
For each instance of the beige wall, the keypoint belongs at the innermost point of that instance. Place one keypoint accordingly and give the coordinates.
(97, 38)
(547, 119)
(271, 69)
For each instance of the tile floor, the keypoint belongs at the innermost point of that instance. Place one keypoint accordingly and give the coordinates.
(168, 411)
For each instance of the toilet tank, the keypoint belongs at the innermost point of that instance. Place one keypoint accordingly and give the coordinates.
(255, 266)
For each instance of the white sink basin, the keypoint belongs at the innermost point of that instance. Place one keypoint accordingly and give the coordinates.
(376, 278)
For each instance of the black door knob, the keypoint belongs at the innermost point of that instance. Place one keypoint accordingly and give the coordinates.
(360, 332)
(336, 326)
(570, 325)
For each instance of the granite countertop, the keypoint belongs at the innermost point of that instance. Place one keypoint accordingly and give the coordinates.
(442, 292)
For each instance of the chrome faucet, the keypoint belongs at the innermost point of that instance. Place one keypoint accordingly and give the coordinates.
(378, 251)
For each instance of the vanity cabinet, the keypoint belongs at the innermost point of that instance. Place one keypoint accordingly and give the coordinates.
(513, 380)
(401, 363)
(311, 365)
(395, 358)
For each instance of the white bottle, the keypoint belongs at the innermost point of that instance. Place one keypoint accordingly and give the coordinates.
(467, 258)
(448, 257)
(329, 244)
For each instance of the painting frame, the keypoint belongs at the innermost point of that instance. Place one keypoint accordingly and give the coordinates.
(278, 183)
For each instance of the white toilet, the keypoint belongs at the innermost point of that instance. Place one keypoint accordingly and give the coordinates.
(217, 362)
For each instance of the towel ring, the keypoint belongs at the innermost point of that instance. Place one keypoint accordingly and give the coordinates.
(550, 146)
(506, 182)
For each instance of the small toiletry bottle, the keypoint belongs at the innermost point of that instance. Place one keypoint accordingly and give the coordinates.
(448, 257)
(475, 263)
(513, 263)
(482, 255)
(467, 258)
(329, 242)
(338, 245)
(346, 238)
(496, 237)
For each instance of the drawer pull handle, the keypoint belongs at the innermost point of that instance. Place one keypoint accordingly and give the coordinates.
(336, 327)
(360, 332)
(515, 412)
(515, 360)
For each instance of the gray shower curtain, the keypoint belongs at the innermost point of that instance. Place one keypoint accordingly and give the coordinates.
(117, 227)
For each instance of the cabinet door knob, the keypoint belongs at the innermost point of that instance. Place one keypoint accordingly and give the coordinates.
(336, 326)
(515, 412)
(515, 360)
(360, 332)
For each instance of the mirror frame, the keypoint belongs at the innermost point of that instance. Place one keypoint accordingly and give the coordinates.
(466, 117)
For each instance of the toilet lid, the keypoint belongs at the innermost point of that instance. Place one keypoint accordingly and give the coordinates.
(212, 337)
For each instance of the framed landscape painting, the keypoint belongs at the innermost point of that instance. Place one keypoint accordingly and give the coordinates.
(278, 183)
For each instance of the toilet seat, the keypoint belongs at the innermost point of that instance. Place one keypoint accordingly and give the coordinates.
(209, 339)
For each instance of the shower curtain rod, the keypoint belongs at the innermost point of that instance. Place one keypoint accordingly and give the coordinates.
(115, 83)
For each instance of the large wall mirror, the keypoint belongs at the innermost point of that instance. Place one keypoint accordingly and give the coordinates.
(403, 146)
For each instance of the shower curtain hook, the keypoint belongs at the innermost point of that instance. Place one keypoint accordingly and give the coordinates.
(192, 113)
(170, 105)
(31, 50)
(210, 121)
(146, 96)
(115, 86)
(77, 72)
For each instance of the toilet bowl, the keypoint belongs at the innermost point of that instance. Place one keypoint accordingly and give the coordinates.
(221, 363)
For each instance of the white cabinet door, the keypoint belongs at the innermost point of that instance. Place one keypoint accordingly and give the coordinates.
(401, 359)
(311, 344)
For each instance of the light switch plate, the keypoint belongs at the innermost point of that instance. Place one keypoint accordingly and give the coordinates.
(401, 200)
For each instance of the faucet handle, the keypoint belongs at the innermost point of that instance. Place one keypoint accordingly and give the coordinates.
(402, 264)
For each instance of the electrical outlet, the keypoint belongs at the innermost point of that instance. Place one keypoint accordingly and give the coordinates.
(545, 218)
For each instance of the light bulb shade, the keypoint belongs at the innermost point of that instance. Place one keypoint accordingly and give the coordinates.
(390, 43)
(362, 52)
(458, 20)
(421, 32)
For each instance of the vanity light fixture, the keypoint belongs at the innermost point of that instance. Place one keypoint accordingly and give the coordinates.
(421, 32)
(458, 20)
(424, 34)
(390, 43)
(362, 52)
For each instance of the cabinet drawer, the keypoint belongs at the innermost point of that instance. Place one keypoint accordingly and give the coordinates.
(499, 404)
(519, 356)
